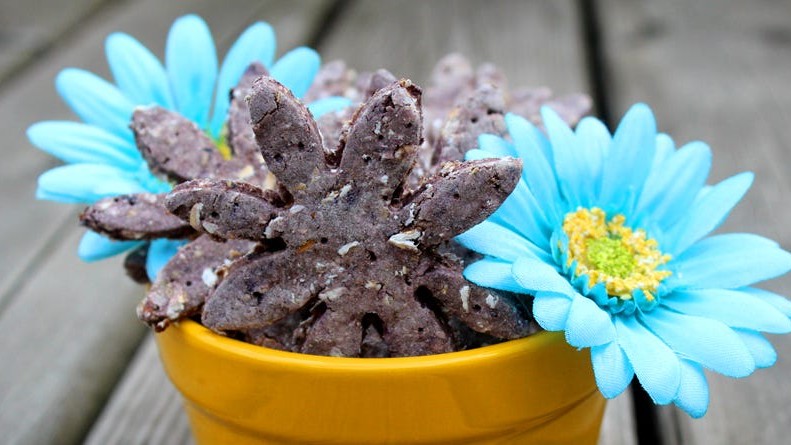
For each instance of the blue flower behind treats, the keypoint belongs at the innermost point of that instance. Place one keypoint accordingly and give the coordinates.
(608, 233)
(100, 151)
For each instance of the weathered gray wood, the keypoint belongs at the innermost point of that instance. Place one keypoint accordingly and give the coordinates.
(67, 338)
(30, 28)
(718, 72)
(70, 327)
(534, 43)
(618, 427)
(145, 408)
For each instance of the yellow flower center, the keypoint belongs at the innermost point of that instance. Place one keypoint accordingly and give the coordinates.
(607, 252)
(223, 147)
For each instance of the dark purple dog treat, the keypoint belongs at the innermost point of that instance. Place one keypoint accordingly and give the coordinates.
(259, 290)
(333, 79)
(224, 209)
(173, 145)
(462, 103)
(348, 250)
(481, 113)
(571, 108)
(135, 265)
(369, 83)
(331, 126)
(182, 286)
(287, 135)
(489, 74)
(479, 308)
(241, 138)
(460, 196)
(133, 217)
(451, 79)
(381, 143)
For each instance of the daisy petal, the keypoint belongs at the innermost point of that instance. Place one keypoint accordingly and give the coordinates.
(693, 393)
(522, 213)
(297, 69)
(476, 154)
(137, 71)
(707, 212)
(551, 310)
(78, 143)
(594, 142)
(569, 168)
(734, 308)
(96, 101)
(191, 61)
(655, 364)
(95, 247)
(256, 44)
(536, 275)
(611, 368)
(728, 261)
(708, 342)
(159, 253)
(85, 183)
(495, 145)
(665, 147)
(780, 302)
(624, 171)
(493, 273)
(495, 240)
(588, 325)
(762, 351)
(328, 105)
(670, 191)
(538, 173)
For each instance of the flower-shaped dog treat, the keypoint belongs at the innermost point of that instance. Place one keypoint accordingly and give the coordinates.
(463, 103)
(177, 150)
(349, 250)
(100, 151)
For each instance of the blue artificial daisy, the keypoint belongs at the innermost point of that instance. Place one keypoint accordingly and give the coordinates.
(608, 234)
(101, 152)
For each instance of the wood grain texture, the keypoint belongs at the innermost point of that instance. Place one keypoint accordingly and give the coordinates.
(718, 72)
(618, 427)
(145, 407)
(534, 43)
(28, 29)
(67, 339)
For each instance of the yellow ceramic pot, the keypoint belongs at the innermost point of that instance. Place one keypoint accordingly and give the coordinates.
(536, 390)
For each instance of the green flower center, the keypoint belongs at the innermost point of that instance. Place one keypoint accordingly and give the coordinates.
(608, 252)
(611, 256)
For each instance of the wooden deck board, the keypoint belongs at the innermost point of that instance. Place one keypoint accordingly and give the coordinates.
(535, 44)
(66, 345)
(145, 408)
(718, 72)
(29, 28)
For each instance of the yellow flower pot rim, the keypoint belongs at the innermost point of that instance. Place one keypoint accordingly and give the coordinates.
(472, 357)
